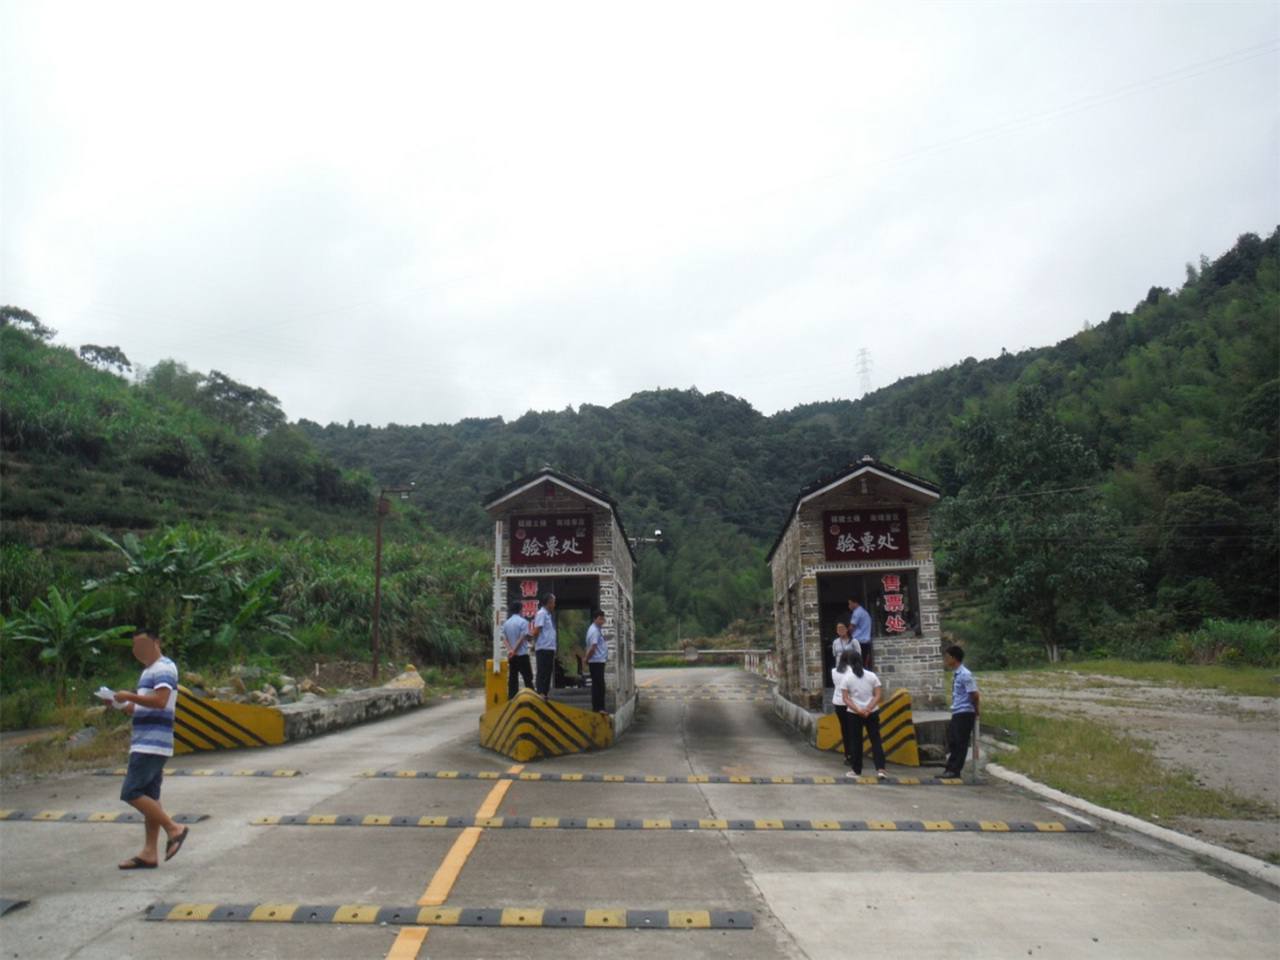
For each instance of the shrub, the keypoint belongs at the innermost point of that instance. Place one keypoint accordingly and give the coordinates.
(1230, 643)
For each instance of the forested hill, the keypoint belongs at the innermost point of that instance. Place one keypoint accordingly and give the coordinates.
(1178, 398)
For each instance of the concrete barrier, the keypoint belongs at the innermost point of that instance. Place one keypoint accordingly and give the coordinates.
(207, 723)
(897, 729)
(530, 728)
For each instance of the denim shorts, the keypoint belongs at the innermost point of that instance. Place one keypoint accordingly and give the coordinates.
(143, 778)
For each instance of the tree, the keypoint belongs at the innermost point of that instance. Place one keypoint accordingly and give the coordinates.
(68, 632)
(105, 358)
(247, 410)
(25, 320)
(1028, 529)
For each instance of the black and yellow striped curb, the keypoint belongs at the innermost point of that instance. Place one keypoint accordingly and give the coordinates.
(185, 772)
(529, 727)
(897, 731)
(830, 781)
(71, 816)
(7, 905)
(617, 918)
(706, 823)
(207, 723)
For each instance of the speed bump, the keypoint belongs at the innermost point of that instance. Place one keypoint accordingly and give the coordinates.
(111, 816)
(528, 727)
(193, 772)
(704, 823)
(897, 731)
(617, 918)
(538, 777)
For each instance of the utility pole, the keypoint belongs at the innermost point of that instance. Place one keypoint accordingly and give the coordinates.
(382, 509)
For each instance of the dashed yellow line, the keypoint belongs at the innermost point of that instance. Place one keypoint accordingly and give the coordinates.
(408, 942)
(441, 884)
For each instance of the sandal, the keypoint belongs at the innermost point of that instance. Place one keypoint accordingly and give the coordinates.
(137, 863)
(175, 844)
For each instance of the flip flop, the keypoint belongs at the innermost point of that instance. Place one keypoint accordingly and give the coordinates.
(137, 863)
(175, 844)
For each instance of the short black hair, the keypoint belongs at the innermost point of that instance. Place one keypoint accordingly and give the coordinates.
(514, 607)
(855, 600)
(547, 597)
(955, 652)
(597, 613)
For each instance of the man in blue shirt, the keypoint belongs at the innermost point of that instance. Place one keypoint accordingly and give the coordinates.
(964, 710)
(860, 627)
(515, 634)
(544, 644)
(152, 709)
(597, 657)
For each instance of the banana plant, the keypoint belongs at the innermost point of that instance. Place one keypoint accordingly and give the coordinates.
(69, 632)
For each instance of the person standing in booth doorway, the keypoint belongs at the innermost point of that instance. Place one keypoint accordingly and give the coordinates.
(860, 690)
(860, 628)
(544, 644)
(515, 634)
(964, 710)
(152, 709)
(597, 657)
(843, 643)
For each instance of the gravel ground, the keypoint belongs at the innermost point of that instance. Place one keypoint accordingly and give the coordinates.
(1228, 741)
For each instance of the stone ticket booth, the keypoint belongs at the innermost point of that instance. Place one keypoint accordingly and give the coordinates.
(555, 533)
(862, 533)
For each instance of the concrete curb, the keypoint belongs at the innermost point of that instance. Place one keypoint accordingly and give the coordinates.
(1258, 869)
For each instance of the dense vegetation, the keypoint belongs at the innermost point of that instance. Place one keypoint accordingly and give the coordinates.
(1107, 493)
(183, 503)
(1174, 404)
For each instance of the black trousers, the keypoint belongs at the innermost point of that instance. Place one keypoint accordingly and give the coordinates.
(518, 667)
(597, 685)
(959, 733)
(853, 742)
(868, 654)
(846, 733)
(546, 666)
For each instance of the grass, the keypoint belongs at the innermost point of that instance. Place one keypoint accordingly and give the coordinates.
(49, 757)
(1117, 771)
(1244, 681)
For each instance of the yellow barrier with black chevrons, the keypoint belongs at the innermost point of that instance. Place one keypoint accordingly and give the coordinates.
(897, 731)
(205, 723)
(529, 728)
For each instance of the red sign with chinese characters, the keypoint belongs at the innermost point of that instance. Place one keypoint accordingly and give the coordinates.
(865, 535)
(558, 539)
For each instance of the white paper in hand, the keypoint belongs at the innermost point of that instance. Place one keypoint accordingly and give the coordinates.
(105, 693)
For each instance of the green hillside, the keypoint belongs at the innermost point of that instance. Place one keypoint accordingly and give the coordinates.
(1176, 400)
(1153, 433)
(185, 503)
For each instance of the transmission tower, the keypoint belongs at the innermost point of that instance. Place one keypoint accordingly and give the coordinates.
(864, 370)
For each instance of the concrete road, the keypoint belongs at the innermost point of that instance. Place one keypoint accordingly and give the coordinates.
(812, 893)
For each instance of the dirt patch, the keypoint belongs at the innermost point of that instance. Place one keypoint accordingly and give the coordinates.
(1227, 741)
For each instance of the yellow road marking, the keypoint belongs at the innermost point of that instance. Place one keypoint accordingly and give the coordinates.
(408, 943)
(441, 884)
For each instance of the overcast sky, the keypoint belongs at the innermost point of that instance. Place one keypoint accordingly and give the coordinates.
(423, 212)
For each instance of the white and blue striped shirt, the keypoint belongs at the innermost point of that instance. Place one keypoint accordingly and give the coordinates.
(153, 727)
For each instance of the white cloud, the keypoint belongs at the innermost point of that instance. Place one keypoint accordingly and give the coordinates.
(407, 212)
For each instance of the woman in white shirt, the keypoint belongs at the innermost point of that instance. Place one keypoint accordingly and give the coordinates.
(843, 643)
(840, 670)
(859, 690)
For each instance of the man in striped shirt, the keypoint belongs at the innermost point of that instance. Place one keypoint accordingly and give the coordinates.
(152, 709)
